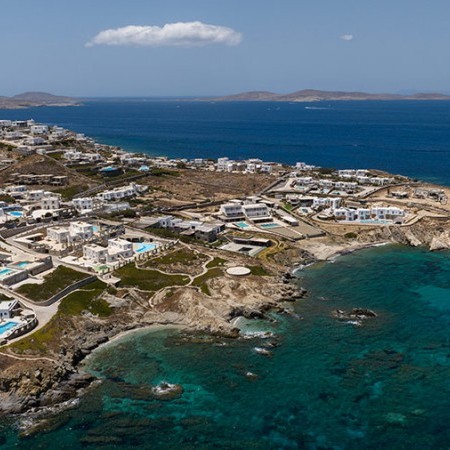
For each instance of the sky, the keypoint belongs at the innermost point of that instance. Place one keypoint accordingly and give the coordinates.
(95, 48)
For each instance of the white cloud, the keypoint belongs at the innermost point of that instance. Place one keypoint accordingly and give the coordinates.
(347, 37)
(181, 34)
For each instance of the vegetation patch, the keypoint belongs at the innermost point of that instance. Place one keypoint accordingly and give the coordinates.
(160, 172)
(259, 271)
(216, 262)
(56, 155)
(202, 280)
(39, 340)
(169, 234)
(4, 298)
(53, 283)
(181, 256)
(69, 192)
(7, 198)
(77, 302)
(72, 305)
(147, 279)
(350, 235)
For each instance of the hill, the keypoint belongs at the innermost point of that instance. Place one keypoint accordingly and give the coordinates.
(35, 99)
(313, 95)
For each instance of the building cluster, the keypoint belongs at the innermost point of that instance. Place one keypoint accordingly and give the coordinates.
(36, 204)
(342, 181)
(371, 215)
(88, 244)
(253, 209)
(29, 137)
(207, 231)
(109, 200)
(247, 166)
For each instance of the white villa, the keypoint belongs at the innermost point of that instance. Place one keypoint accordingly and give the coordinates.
(95, 253)
(121, 192)
(232, 211)
(82, 230)
(75, 231)
(329, 202)
(256, 211)
(83, 204)
(7, 307)
(390, 213)
(50, 203)
(117, 249)
(60, 235)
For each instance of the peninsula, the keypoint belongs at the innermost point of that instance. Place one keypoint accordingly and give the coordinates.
(312, 95)
(36, 99)
(95, 241)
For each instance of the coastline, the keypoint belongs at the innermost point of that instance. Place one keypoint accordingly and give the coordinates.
(146, 328)
(212, 306)
(80, 381)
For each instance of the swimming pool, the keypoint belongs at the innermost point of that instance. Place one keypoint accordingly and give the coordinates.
(16, 213)
(22, 264)
(242, 225)
(4, 272)
(375, 221)
(7, 326)
(145, 248)
(269, 225)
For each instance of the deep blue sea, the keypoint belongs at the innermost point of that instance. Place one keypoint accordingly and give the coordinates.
(410, 138)
(329, 384)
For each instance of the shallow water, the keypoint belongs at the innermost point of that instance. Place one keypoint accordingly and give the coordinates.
(329, 384)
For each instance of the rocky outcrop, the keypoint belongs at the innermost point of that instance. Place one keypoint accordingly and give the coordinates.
(35, 379)
(355, 314)
(433, 233)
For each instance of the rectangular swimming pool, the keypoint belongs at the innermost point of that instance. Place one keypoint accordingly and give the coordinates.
(142, 248)
(242, 225)
(4, 272)
(269, 225)
(375, 221)
(22, 264)
(7, 326)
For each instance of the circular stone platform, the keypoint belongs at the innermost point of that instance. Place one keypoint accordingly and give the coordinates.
(239, 271)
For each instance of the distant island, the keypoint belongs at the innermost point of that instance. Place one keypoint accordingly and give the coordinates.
(312, 95)
(36, 99)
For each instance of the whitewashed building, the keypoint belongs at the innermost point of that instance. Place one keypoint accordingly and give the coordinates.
(50, 203)
(81, 230)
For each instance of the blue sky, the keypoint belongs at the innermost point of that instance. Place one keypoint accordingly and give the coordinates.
(281, 46)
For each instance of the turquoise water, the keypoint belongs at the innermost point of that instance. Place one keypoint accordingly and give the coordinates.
(16, 213)
(5, 272)
(242, 225)
(22, 264)
(7, 326)
(376, 221)
(269, 225)
(328, 385)
(145, 248)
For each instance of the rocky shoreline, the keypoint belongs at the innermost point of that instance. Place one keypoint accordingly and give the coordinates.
(29, 384)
